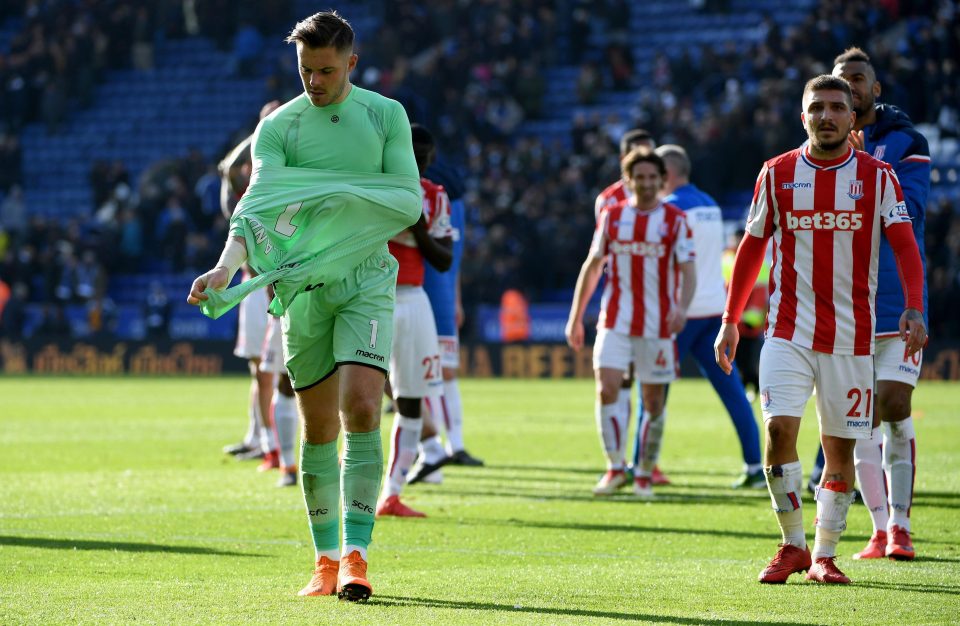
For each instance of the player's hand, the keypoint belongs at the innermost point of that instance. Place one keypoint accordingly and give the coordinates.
(725, 347)
(574, 333)
(459, 315)
(856, 139)
(913, 331)
(676, 320)
(217, 278)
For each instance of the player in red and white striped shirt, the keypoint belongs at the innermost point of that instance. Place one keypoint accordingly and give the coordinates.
(824, 205)
(415, 371)
(648, 247)
(612, 195)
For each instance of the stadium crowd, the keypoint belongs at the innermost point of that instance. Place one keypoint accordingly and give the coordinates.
(474, 73)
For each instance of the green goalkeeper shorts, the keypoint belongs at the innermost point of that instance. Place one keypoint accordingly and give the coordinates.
(348, 321)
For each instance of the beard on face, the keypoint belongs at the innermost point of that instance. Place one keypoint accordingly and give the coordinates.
(824, 146)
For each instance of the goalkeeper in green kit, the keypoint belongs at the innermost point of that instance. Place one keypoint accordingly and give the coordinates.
(334, 177)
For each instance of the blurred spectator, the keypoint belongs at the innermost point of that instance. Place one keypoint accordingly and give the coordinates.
(10, 155)
(13, 212)
(157, 312)
(13, 319)
(54, 322)
(101, 317)
(143, 36)
(89, 276)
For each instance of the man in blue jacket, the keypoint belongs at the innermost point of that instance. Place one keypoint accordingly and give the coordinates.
(888, 134)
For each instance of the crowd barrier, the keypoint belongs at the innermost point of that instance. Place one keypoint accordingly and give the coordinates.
(213, 358)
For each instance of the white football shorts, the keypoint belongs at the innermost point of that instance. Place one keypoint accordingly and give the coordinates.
(415, 370)
(272, 359)
(252, 325)
(655, 360)
(844, 387)
(892, 363)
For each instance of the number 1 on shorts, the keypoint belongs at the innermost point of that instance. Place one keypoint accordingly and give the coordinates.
(373, 333)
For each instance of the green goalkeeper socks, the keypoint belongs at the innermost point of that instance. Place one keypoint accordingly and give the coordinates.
(362, 472)
(321, 493)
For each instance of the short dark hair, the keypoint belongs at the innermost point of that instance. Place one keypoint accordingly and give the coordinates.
(852, 54)
(323, 30)
(421, 136)
(634, 136)
(641, 154)
(424, 146)
(827, 82)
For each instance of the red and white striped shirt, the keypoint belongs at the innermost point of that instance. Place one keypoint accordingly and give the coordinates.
(436, 207)
(643, 249)
(613, 195)
(825, 219)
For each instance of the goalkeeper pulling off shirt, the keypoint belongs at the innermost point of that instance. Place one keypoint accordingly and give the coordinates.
(334, 177)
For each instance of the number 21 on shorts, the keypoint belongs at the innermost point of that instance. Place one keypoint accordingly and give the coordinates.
(860, 396)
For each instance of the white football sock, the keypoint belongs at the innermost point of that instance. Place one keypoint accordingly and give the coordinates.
(832, 507)
(403, 450)
(899, 460)
(868, 459)
(432, 450)
(651, 435)
(624, 400)
(612, 434)
(785, 482)
(252, 438)
(451, 409)
(285, 418)
(349, 548)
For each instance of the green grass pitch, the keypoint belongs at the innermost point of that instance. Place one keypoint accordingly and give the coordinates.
(116, 506)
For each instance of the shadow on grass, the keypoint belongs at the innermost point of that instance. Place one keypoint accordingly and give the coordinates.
(936, 559)
(623, 528)
(953, 590)
(509, 608)
(665, 495)
(598, 471)
(122, 546)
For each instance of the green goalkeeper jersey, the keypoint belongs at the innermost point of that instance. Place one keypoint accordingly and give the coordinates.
(330, 186)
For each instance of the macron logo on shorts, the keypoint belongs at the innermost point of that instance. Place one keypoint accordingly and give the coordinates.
(370, 355)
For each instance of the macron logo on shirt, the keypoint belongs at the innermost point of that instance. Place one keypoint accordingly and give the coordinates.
(796, 185)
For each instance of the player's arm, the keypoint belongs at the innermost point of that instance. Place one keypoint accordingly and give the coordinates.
(587, 280)
(437, 251)
(746, 267)
(684, 253)
(233, 255)
(267, 146)
(590, 273)
(230, 176)
(398, 147)
(913, 174)
(458, 304)
(899, 232)
(677, 317)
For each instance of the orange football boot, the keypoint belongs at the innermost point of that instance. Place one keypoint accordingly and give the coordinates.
(899, 544)
(352, 583)
(324, 581)
(876, 547)
(393, 507)
(788, 560)
(825, 570)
